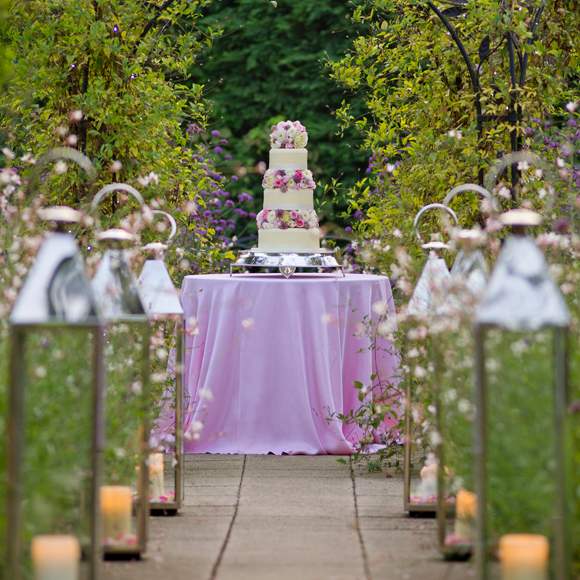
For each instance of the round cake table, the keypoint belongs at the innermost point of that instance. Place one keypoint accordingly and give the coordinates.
(270, 361)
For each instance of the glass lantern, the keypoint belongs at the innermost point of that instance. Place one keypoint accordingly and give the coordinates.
(468, 279)
(454, 414)
(425, 303)
(54, 463)
(519, 441)
(124, 498)
(162, 304)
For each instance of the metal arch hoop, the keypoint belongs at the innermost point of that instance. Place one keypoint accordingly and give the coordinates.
(172, 221)
(467, 187)
(62, 153)
(512, 159)
(116, 187)
(428, 207)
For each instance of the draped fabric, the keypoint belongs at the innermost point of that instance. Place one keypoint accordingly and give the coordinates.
(270, 361)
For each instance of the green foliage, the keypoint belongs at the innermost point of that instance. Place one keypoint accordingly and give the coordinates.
(95, 57)
(267, 67)
(420, 117)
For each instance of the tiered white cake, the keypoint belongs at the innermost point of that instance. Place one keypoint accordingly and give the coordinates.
(288, 221)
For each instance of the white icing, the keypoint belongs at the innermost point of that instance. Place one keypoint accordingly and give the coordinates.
(298, 199)
(288, 159)
(299, 239)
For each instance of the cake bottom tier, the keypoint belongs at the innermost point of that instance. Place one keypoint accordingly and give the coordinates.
(290, 239)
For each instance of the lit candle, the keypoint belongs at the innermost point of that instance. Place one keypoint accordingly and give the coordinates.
(55, 557)
(156, 475)
(524, 557)
(465, 508)
(116, 510)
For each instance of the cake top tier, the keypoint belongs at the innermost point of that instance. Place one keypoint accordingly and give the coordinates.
(288, 135)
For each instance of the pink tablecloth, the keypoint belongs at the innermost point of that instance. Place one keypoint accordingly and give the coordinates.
(275, 358)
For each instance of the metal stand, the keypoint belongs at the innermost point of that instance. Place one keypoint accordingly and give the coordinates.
(286, 260)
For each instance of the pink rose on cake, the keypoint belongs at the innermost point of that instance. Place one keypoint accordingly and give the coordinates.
(299, 223)
(293, 214)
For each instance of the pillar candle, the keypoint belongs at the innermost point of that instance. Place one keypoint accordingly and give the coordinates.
(116, 510)
(55, 557)
(156, 481)
(524, 557)
(465, 509)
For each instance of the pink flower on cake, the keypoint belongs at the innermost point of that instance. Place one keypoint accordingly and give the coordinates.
(300, 179)
(284, 219)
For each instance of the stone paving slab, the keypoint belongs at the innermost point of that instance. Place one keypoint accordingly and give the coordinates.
(289, 518)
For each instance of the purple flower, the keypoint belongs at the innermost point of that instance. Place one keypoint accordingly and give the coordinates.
(207, 213)
(224, 141)
(227, 156)
(234, 177)
(279, 213)
(562, 225)
(306, 226)
(229, 203)
(215, 133)
(244, 197)
(215, 201)
(571, 123)
(218, 149)
(283, 225)
(348, 229)
(252, 215)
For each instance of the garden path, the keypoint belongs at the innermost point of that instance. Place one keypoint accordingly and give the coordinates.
(289, 518)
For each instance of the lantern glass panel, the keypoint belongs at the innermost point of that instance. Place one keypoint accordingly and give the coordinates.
(126, 417)
(166, 409)
(57, 461)
(420, 481)
(521, 445)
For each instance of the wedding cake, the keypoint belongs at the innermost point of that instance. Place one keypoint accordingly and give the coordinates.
(288, 221)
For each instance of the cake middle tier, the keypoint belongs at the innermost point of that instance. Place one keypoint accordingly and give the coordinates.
(292, 199)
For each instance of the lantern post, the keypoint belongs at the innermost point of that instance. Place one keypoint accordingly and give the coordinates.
(425, 302)
(127, 399)
(55, 308)
(162, 304)
(521, 395)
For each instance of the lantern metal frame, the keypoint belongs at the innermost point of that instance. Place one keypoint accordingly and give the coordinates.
(554, 316)
(161, 301)
(118, 299)
(33, 311)
(415, 509)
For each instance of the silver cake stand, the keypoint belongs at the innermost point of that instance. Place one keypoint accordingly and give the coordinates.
(286, 260)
